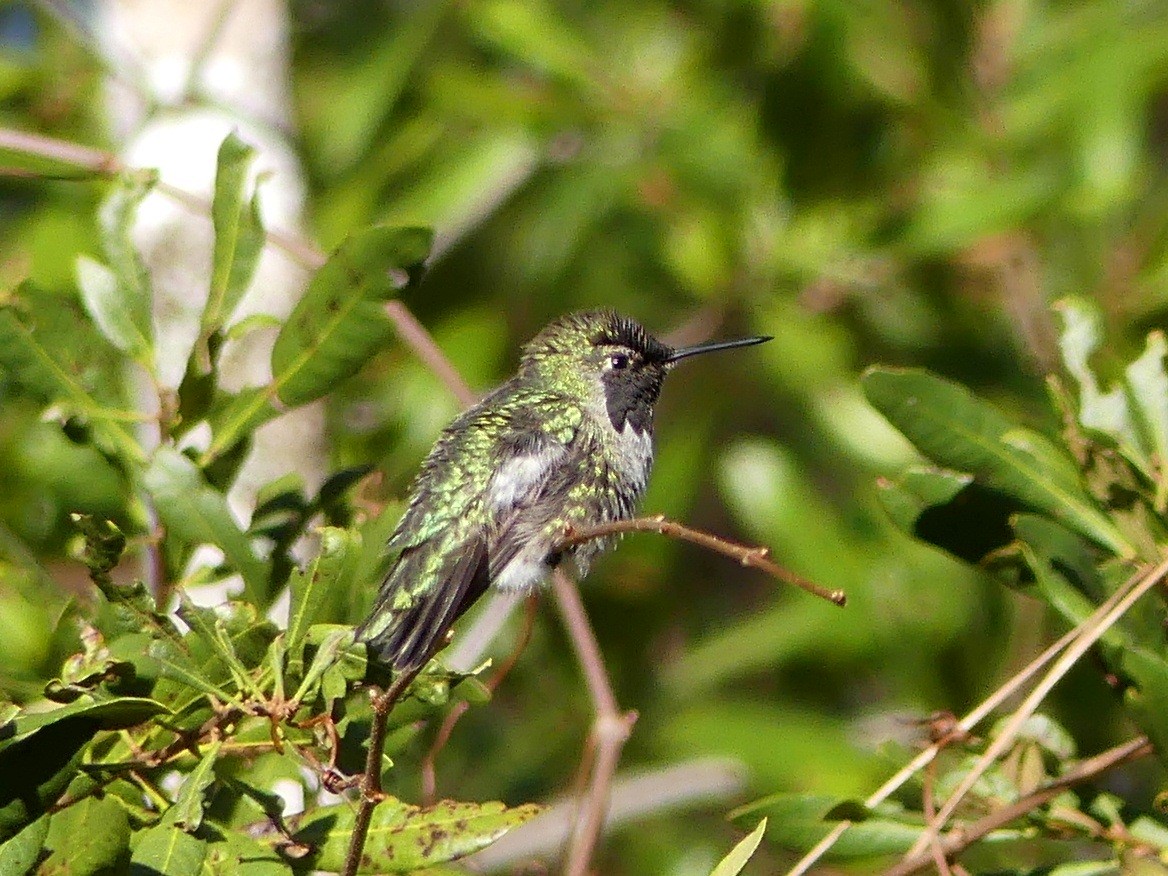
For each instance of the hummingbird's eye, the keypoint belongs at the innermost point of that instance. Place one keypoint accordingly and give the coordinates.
(618, 361)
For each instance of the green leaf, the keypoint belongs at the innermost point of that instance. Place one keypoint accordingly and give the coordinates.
(197, 514)
(187, 811)
(326, 655)
(334, 329)
(239, 234)
(209, 628)
(341, 321)
(233, 854)
(959, 431)
(42, 369)
(403, 837)
(90, 837)
(311, 589)
(130, 306)
(20, 853)
(1100, 411)
(732, 864)
(799, 821)
(1148, 388)
(165, 850)
(950, 510)
(109, 308)
(110, 714)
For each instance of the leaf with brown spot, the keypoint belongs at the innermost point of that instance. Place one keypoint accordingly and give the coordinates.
(404, 837)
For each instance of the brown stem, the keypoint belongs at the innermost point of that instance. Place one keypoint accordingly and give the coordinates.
(956, 841)
(751, 557)
(1088, 632)
(610, 727)
(371, 794)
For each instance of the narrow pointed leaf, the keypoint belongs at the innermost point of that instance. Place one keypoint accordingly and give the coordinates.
(959, 431)
(239, 233)
(187, 811)
(1148, 387)
(312, 586)
(196, 513)
(115, 220)
(403, 837)
(110, 308)
(165, 850)
(341, 320)
(732, 864)
(204, 623)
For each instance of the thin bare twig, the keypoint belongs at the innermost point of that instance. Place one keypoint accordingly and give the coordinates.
(371, 793)
(958, 840)
(1089, 632)
(610, 727)
(966, 724)
(751, 557)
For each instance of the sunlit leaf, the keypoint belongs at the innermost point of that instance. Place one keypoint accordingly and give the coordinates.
(21, 852)
(239, 233)
(404, 837)
(187, 811)
(196, 513)
(165, 850)
(311, 588)
(732, 864)
(129, 307)
(1147, 384)
(90, 837)
(110, 308)
(341, 321)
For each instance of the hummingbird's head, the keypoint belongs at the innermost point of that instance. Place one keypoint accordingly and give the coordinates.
(605, 355)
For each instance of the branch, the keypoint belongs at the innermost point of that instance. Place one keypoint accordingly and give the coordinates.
(957, 841)
(610, 728)
(1088, 633)
(966, 724)
(371, 793)
(751, 557)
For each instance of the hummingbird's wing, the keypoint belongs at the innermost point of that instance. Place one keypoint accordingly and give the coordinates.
(449, 534)
(406, 628)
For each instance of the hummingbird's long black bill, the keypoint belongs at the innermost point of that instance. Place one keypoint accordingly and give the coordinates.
(714, 346)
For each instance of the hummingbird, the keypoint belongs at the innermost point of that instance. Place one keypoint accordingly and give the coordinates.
(565, 443)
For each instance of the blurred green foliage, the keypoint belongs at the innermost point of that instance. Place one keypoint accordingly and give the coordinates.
(912, 183)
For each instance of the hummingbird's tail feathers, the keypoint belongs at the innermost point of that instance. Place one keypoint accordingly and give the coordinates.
(406, 638)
